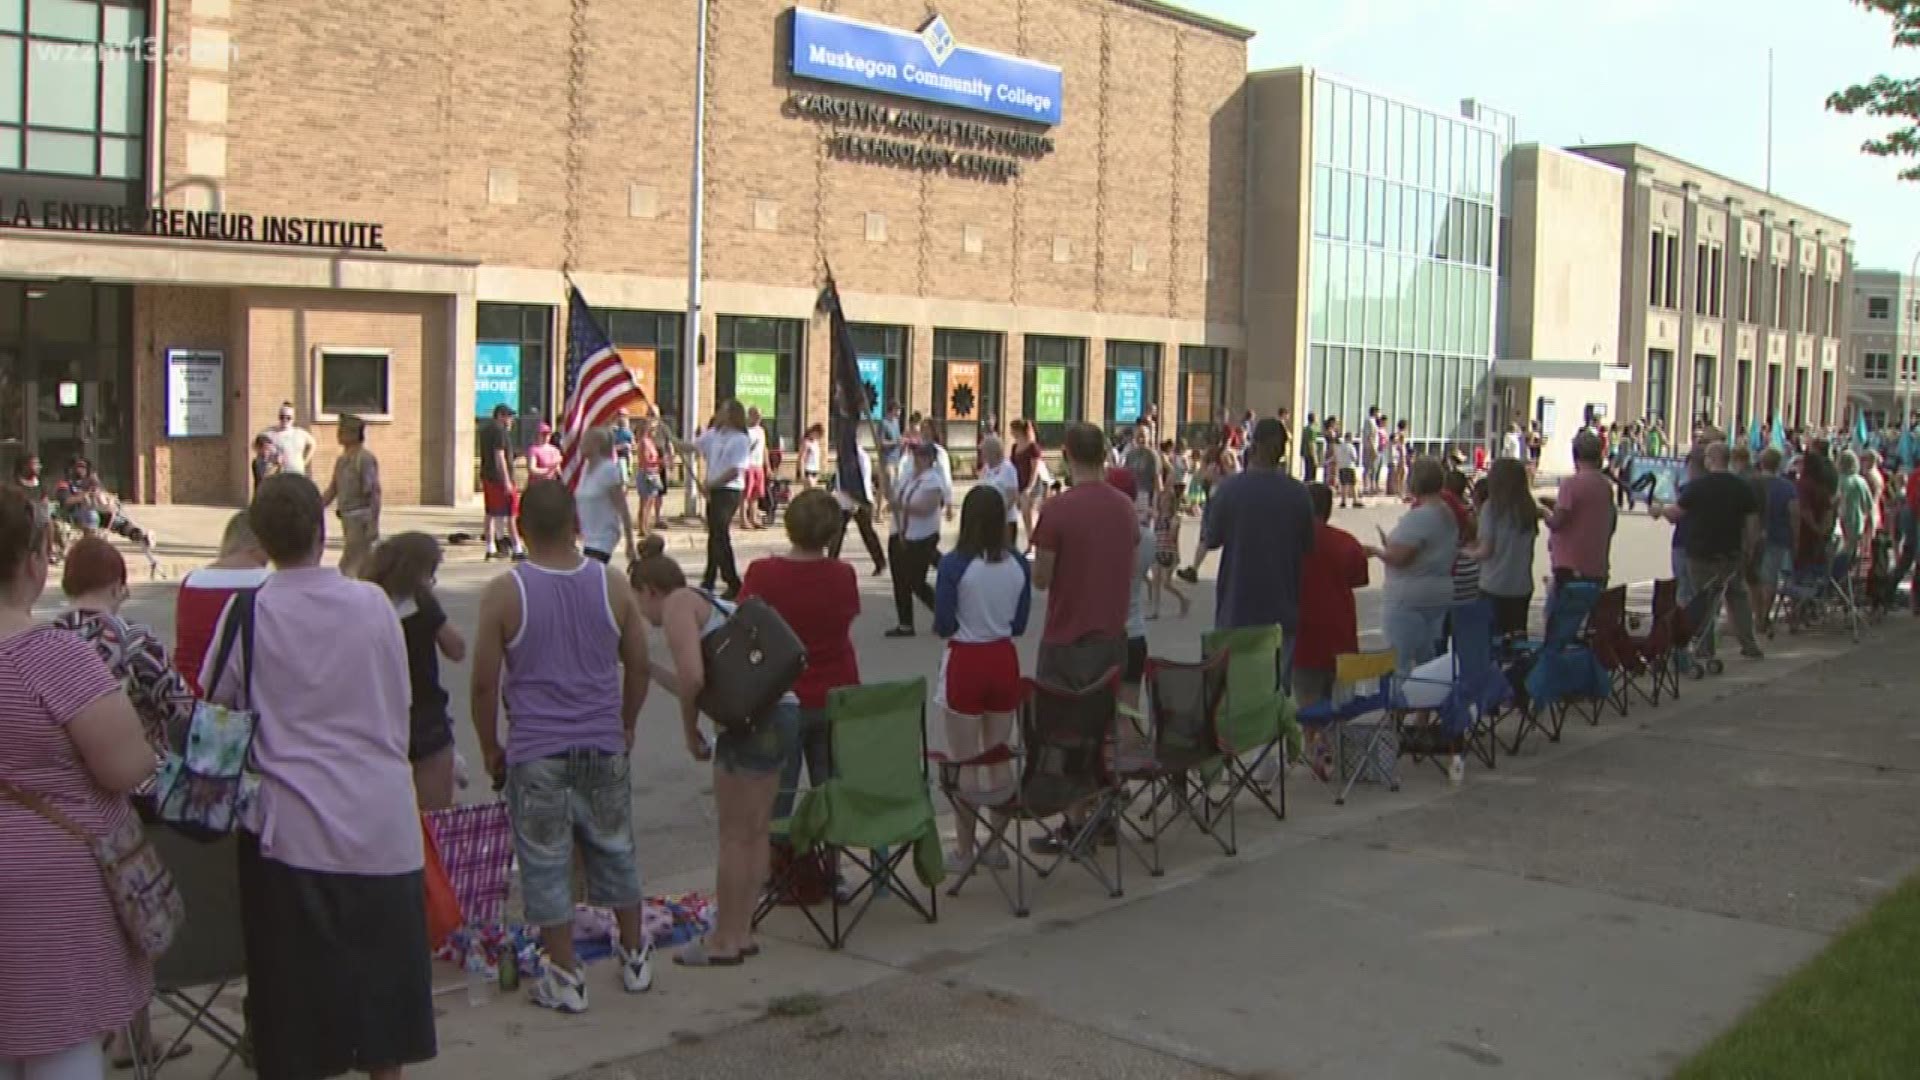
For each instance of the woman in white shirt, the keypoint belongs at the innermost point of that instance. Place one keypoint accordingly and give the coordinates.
(810, 456)
(724, 451)
(856, 508)
(982, 599)
(755, 487)
(998, 473)
(601, 500)
(919, 496)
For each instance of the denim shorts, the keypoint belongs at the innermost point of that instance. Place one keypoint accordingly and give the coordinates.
(762, 747)
(583, 797)
(1412, 631)
(1775, 561)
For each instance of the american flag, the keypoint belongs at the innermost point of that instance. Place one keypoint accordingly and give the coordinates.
(851, 404)
(598, 384)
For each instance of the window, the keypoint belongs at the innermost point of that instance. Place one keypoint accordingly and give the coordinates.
(1800, 397)
(1133, 381)
(1909, 368)
(1700, 290)
(1750, 285)
(758, 364)
(1657, 272)
(1659, 376)
(1673, 271)
(1806, 303)
(1879, 307)
(1743, 388)
(513, 363)
(1876, 365)
(1704, 405)
(1203, 390)
(1826, 398)
(1055, 377)
(1913, 310)
(1716, 293)
(1779, 297)
(649, 342)
(73, 87)
(355, 381)
(1322, 201)
(1773, 393)
(966, 384)
(881, 353)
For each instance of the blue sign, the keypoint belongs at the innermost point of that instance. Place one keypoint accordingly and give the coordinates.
(496, 377)
(873, 372)
(1129, 394)
(930, 65)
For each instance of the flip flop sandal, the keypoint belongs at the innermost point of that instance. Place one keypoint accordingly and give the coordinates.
(695, 954)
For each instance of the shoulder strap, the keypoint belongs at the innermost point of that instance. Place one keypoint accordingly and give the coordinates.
(46, 810)
(239, 628)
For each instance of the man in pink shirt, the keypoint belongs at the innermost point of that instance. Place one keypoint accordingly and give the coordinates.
(1582, 517)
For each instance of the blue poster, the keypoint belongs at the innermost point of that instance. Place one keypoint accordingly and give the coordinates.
(929, 65)
(873, 372)
(1129, 394)
(496, 377)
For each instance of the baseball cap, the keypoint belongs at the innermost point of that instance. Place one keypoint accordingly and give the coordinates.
(1123, 480)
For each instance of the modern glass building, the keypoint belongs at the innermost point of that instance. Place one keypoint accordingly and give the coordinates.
(1394, 210)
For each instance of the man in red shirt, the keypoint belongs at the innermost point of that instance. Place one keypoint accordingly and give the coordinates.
(1085, 540)
(1333, 568)
(203, 595)
(1581, 518)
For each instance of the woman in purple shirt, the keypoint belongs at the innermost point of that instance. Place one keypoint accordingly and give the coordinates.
(332, 902)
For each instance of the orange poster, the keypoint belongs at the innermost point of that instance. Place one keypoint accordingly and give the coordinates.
(1200, 397)
(644, 364)
(963, 392)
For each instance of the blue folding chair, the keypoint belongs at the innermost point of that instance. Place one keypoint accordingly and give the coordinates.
(1477, 696)
(1558, 670)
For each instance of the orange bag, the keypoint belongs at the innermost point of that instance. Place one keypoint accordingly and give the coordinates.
(443, 907)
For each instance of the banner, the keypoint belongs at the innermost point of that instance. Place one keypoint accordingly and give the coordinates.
(1050, 394)
(928, 65)
(873, 373)
(1656, 478)
(1129, 391)
(756, 381)
(644, 364)
(496, 377)
(196, 393)
(963, 391)
(1200, 397)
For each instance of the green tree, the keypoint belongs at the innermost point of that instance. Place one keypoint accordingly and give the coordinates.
(1886, 96)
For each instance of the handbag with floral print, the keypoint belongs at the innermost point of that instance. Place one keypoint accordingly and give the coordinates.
(145, 899)
(208, 787)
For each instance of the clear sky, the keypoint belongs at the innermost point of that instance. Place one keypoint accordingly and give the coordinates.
(1687, 78)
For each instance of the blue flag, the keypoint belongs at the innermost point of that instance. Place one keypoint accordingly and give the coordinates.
(1756, 440)
(1778, 439)
(1860, 433)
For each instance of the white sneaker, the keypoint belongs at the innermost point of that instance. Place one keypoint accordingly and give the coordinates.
(636, 968)
(561, 990)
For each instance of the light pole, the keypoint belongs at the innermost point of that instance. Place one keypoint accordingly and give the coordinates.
(696, 215)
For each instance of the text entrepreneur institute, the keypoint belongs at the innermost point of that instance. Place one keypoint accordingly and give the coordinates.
(193, 225)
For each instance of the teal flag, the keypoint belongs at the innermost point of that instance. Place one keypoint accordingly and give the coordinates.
(1779, 438)
(1860, 433)
(1756, 439)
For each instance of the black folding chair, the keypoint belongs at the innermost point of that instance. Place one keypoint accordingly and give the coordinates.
(208, 957)
(1182, 736)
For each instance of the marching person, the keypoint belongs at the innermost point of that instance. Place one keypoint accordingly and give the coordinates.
(356, 486)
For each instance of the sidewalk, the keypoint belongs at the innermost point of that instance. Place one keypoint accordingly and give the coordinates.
(1592, 909)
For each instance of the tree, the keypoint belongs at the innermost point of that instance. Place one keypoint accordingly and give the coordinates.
(1886, 96)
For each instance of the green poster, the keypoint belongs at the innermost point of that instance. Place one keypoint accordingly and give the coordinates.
(756, 380)
(1050, 394)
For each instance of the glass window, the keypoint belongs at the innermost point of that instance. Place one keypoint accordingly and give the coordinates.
(1377, 136)
(1377, 212)
(55, 80)
(1335, 293)
(1356, 208)
(51, 151)
(886, 347)
(1460, 157)
(1342, 126)
(355, 381)
(1136, 363)
(1316, 380)
(11, 86)
(1203, 391)
(1358, 111)
(1317, 291)
(11, 14)
(123, 93)
(62, 90)
(758, 362)
(70, 20)
(1322, 200)
(1393, 241)
(9, 148)
(650, 343)
(527, 330)
(966, 384)
(1323, 126)
(1356, 295)
(1425, 155)
(1060, 363)
(1337, 204)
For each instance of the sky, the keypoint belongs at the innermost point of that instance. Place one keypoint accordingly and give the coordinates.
(1686, 78)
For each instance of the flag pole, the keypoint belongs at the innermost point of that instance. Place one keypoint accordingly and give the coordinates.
(690, 353)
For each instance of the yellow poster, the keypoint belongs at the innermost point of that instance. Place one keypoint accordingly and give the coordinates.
(644, 364)
(1200, 397)
(963, 391)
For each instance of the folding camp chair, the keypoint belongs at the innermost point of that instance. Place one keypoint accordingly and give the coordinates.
(1182, 728)
(1364, 685)
(871, 815)
(1466, 720)
(1259, 719)
(1558, 670)
(1066, 744)
(1613, 647)
(208, 958)
(1656, 645)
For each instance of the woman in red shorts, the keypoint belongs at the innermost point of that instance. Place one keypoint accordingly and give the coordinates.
(982, 595)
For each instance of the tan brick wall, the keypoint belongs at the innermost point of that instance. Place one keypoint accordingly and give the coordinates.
(182, 470)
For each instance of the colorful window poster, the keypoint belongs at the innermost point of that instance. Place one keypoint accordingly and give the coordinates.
(1200, 397)
(1129, 390)
(756, 381)
(873, 373)
(644, 365)
(1050, 394)
(496, 377)
(963, 391)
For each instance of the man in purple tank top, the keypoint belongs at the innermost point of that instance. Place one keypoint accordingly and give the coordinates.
(561, 640)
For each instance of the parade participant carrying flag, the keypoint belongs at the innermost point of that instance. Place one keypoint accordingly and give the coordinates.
(598, 384)
(1861, 437)
(850, 404)
(1756, 439)
(1778, 439)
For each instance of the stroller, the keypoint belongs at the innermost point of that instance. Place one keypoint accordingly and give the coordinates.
(1696, 630)
(1825, 594)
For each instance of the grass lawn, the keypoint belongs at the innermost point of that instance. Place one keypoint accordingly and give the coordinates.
(1852, 1012)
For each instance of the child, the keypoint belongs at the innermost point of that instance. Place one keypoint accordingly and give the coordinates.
(810, 456)
(264, 463)
(1166, 552)
(1346, 458)
(404, 567)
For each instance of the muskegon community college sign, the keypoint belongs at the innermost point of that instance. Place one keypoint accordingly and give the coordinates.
(927, 66)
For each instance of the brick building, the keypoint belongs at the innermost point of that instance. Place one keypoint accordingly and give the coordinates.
(378, 222)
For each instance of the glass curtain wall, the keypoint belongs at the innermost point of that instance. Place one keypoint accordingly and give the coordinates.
(1405, 206)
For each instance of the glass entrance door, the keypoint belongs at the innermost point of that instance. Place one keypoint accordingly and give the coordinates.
(63, 371)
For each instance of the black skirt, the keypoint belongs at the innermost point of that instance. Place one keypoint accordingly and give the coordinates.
(339, 976)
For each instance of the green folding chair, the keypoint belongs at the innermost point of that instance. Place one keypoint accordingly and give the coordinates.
(1259, 719)
(872, 814)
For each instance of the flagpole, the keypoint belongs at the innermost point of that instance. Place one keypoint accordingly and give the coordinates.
(690, 353)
